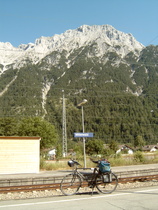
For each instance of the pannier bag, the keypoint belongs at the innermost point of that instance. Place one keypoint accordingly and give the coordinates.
(107, 178)
(104, 166)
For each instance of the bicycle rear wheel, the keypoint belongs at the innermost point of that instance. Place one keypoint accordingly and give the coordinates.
(70, 184)
(107, 182)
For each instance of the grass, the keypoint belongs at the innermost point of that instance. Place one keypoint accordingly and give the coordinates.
(53, 165)
(115, 160)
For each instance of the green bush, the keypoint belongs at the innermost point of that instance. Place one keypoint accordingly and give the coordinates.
(139, 157)
(50, 167)
(42, 163)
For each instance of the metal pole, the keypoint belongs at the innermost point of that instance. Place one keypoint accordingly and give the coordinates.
(82, 119)
(84, 149)
(84, 141)
(64, 129)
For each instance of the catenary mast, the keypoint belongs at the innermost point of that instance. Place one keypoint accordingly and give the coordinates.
(64, 128)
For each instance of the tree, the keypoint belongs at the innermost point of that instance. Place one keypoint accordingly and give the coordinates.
(94, 147)
(113, 145)
(8, 126)
(39, 127)
(139, 142)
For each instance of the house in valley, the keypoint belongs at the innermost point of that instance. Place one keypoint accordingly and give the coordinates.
(125, 149)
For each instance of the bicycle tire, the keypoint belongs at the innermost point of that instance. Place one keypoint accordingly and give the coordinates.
(70, 184)
(107, 182)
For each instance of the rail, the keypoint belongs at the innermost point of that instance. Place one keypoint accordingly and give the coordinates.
(55, 186)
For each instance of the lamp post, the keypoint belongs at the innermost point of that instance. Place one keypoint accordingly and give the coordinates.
(84, 148)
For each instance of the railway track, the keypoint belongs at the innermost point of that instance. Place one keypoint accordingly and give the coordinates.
(26, 188)
(139, 179)
(55, 186)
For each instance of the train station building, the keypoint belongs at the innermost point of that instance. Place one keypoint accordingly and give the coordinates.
(19, 155)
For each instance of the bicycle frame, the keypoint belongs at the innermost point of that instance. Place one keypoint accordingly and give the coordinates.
(83, 177)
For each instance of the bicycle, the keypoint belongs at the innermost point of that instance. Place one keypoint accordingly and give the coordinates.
(105, 182)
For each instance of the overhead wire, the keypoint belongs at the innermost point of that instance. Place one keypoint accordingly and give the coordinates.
(156, 37)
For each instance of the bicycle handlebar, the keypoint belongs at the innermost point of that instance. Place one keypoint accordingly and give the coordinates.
(97, 162)
(77, 163)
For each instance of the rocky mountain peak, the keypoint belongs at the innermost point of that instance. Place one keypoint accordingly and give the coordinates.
(102, 35)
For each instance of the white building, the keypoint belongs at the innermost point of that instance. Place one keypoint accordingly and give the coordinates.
(126, 148)
(19, 155)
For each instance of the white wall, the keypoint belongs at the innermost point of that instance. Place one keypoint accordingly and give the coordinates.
(19, 155)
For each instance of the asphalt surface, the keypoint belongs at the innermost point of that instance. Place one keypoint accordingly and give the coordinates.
(62, 172)
(135, 199)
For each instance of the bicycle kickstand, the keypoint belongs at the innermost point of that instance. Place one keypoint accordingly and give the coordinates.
(92, 190)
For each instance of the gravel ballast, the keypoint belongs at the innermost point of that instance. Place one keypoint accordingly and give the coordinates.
(51, 193)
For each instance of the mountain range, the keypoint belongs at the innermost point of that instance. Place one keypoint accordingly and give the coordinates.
(106, 37)
(111, 69)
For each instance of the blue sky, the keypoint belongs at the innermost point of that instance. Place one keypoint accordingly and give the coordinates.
(23, 21)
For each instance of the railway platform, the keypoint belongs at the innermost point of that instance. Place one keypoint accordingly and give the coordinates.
(46, 177)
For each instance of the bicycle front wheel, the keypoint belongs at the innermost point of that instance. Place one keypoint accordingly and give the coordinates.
(70, 184)
(107, 182)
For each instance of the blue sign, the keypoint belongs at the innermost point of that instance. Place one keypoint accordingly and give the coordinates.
(83, 135)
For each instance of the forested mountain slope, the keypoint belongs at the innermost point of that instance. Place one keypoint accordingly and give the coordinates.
(116, 74)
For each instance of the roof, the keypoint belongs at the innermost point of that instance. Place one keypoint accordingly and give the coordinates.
(20, 138)
(124, 146)
(149, 147)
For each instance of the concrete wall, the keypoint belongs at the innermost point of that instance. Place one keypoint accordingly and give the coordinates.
(19, 155)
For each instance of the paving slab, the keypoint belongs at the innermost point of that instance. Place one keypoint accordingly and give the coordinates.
(55, 173)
